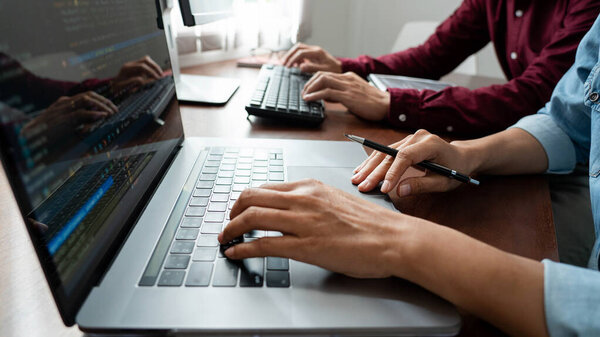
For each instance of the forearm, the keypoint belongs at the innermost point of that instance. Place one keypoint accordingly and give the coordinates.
(504, 289)
(513, 151)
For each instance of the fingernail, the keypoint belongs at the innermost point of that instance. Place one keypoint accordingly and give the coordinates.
(220, 237)
(385, 187)
(365, 185)
(229, 251)
(356, 176)
(307, 96)
(404, 190)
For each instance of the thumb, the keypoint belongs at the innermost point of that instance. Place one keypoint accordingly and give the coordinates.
(426, 184)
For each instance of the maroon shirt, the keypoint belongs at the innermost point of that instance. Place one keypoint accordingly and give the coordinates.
(535, 41)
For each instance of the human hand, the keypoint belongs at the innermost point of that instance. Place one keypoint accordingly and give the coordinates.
(72, 112)
(311, 59)
(352, 91)
(135, 74)
(412, 150)
(321, 225)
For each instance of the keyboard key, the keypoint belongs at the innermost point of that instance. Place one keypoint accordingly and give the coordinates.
(276, 169)
(195, 211)
(214, 217)
(171, 278)
(182, 247)
(204, 254)
(215, 157)
(245, 161)
(243, 173)
(278, 279)
(229, 161)
(261, 156)
(212, 228)
(205, 184)
(242, 180)
(219, 198)
(235, 195)
(227, 167)
(217, 150)
(225, 174)
(187, 234)
(212, 163)
(258, 169)
(276, 176)
(244, 167)
(259, 176)
(197, 201)
(207, 240)
(177, 262)
(239, 187)
(222, 189)
(208, 177)
(276, 162)
(252, 272)
(277, 263)
(226, 273)
(191, 222)
(217, 207)
(199, 274)
(224, 181)
(210, 170)
(256, 184)
(202, 192)
(261, 164)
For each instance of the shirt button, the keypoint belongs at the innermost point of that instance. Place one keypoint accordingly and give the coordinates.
(519, 13)
(513, 55)
(594, 97)
(402, 117)
(449, 128)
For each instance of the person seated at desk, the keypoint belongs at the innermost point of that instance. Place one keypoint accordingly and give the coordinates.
(535, 42)
(345, 234)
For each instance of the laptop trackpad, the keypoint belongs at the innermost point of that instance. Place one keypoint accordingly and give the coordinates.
(338, 177)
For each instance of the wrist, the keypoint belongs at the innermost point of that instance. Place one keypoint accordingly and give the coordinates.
(405, 246)
(472, 154)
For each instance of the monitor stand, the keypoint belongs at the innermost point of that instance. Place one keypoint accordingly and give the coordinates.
(205, 89)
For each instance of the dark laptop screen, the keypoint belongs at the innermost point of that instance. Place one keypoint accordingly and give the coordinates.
(88, 122)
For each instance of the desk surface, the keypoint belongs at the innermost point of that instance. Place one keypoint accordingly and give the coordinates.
(511, 213)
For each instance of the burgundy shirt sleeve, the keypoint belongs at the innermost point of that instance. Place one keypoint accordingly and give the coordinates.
(491, 109)
(458, 37)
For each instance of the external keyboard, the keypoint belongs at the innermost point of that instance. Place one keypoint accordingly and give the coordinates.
(194, 258)
(278, 95)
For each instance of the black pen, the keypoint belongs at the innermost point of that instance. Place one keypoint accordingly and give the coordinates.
(439, 169)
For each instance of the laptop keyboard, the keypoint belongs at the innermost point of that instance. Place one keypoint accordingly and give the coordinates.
(195, 258)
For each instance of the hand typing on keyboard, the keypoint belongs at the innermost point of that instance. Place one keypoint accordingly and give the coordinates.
(321, 225)
(349, 89)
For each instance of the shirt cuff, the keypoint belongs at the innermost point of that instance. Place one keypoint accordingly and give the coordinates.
(404, 104)
(557, 144)
(352, 65)
(571, 299)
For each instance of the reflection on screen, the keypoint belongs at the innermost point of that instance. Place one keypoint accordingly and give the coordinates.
(88, 117)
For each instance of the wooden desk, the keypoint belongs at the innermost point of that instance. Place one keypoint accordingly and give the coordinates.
(511, 213)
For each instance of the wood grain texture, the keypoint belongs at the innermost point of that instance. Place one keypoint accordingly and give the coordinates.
(511, 213)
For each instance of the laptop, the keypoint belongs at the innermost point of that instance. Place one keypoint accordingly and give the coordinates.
(123, 210)
(383, 82)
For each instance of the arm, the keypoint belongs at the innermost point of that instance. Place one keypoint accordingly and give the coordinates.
(461, 35)
(491, 109)
(343, 233)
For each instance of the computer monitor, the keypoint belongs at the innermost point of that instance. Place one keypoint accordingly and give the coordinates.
(196, 88)
(199, 12)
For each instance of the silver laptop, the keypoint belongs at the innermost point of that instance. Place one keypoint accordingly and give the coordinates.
(124, 212)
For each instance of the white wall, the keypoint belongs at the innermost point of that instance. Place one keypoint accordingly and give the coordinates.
(354, 27)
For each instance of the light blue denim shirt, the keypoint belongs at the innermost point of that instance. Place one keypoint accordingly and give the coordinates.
(568, 128)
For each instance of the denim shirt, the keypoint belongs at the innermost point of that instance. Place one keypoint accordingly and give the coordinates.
(568, 128)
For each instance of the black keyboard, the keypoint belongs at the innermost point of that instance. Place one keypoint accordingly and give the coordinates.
(278, 95)
(195, 258)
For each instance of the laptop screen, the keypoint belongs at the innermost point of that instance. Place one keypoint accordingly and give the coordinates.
(88, 122)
